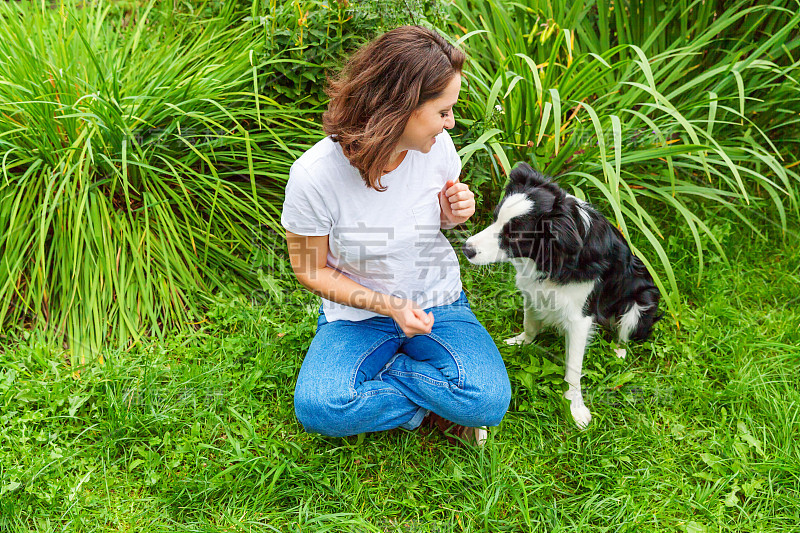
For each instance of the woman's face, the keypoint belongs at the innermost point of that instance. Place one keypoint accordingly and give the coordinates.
(429, 119)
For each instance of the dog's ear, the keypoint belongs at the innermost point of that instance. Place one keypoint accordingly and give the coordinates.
(523, 175)
(543, 200)
(519, 174)
(565, 234)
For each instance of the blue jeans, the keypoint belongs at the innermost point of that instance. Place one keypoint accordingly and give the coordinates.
(368, 376)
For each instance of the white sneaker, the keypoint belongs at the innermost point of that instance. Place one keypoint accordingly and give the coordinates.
(477, 436)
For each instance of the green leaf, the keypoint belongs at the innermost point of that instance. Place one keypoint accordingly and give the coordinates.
(11, 486)
(75, 402)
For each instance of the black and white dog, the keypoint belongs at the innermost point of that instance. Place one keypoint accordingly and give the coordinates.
(574, 270)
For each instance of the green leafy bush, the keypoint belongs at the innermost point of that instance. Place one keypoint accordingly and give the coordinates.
(305, 41)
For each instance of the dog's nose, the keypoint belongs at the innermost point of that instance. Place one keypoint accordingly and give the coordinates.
(469, 251)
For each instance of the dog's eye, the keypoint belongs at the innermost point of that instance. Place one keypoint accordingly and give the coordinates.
(515, 235)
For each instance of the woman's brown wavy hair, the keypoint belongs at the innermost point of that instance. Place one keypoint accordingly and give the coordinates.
(379, 88)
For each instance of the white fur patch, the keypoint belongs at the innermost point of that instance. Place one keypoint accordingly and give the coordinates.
(629, 321)
(514, 206)
(587, 221)
(552, 304)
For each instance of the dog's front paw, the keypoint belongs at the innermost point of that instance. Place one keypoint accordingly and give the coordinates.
(580, 413)
(522, 338)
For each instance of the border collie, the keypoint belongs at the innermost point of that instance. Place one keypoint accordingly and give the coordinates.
(574, 270)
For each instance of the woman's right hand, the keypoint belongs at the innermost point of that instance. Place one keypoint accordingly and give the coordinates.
(411, 318)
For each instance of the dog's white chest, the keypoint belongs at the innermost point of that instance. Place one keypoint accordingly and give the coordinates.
(551, 303)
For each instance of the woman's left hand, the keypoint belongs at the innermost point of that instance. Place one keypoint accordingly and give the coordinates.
(457, 203)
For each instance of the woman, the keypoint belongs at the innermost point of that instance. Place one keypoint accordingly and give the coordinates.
(363, 214)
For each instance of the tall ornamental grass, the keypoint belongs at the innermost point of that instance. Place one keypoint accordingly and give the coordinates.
(137, 166)
(669, 107)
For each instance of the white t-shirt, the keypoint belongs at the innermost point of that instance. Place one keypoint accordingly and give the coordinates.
(390, 241)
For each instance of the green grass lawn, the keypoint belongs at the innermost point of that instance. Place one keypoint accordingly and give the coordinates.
(694, 431)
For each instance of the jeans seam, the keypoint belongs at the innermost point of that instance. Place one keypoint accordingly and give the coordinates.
(364, 355)
(421, 377)
(452, 353)
(377, 392)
